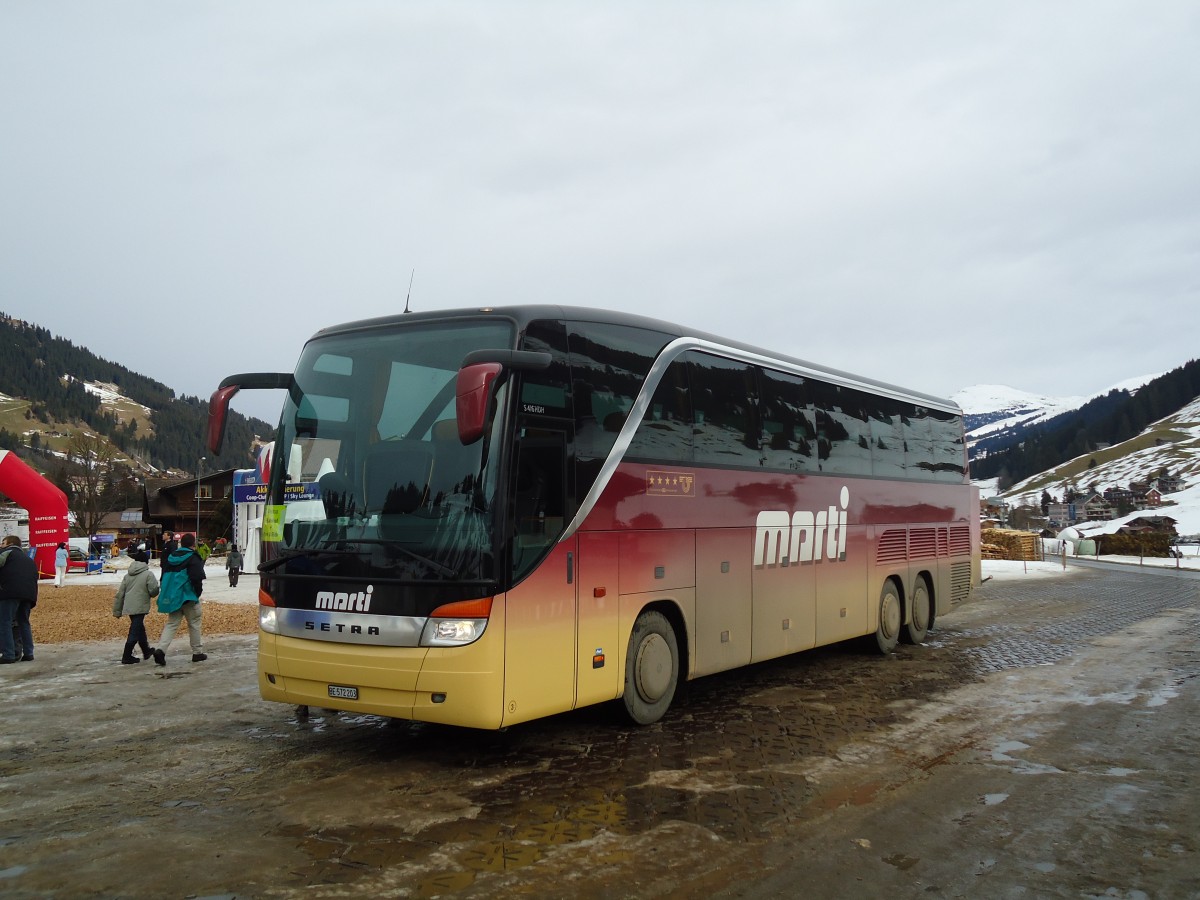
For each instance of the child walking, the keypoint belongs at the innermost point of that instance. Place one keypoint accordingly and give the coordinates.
(137, 589)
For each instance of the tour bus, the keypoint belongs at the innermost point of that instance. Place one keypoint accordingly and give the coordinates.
(480, 517)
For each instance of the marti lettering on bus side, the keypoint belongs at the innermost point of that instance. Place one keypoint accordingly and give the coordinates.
(783, 539)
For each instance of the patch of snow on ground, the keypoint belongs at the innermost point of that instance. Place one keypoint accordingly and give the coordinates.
(108, 393)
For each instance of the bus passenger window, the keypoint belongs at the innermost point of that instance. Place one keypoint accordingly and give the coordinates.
(608, 365)
(724, 407)
(788, 422)
(665, 432)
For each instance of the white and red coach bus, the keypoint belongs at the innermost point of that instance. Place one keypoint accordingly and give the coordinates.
(506, 513)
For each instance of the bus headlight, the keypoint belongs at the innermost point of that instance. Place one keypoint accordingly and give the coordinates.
(456, 624)
(452, 632)
(266, 619)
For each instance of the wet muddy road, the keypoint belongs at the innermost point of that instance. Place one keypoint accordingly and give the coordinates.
(1041, 743)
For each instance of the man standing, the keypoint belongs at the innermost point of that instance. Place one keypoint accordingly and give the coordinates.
(233, 562)
(18, 595)
(182, 584)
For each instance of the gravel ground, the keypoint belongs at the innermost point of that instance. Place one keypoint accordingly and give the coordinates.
(81, 610)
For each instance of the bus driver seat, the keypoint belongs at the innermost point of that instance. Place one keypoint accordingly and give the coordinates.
(396, 477)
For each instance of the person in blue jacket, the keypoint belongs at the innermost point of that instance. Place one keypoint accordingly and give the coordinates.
(180, 587)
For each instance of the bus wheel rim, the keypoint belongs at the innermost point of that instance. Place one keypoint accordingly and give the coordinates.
(653, 667)
(921, 609)
(889, 616)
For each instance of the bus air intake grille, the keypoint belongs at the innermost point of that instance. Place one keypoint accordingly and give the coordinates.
(960, 581)
(960, 540)
(892, 547)
(943, 542)
(922, 543)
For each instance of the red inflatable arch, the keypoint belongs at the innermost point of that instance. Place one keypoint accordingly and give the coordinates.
(47, 507)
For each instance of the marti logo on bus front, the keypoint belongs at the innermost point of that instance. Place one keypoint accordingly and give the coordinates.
(359, 601)
(782, 539)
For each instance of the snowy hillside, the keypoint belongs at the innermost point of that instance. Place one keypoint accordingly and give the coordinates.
(1172, 443)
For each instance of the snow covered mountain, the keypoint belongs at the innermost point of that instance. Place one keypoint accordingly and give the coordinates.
(993, 410)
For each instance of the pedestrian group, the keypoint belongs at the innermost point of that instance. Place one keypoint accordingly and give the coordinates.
(177, 592)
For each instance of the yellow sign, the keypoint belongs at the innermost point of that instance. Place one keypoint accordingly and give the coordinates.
(272, 527)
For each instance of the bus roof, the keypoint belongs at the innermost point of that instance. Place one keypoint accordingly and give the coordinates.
(523, 314)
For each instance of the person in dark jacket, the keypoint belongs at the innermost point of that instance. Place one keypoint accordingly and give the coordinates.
(233, 562)
(18, 595)
(169, 547)
(179, 593)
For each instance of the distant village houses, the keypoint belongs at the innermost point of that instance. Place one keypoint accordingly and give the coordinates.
(1112, 503)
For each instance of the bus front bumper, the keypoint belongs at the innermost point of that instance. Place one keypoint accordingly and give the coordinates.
(450, 685)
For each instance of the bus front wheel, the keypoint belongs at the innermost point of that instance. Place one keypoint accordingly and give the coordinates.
(917, 627)
(651, 668)
(891, 614)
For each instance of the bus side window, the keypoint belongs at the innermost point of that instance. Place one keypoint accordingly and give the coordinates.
(843, 434)
(788, 422)
(949, 458)
(665, 432)
(887, 437)
(919, 458)
(724, 408)
(608, 366)
(546, 392)
(539, 504)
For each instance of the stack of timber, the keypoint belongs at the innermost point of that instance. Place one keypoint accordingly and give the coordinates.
(1003, 543)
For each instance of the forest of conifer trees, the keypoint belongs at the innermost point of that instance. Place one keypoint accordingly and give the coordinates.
(33, 363)
(1115, 417)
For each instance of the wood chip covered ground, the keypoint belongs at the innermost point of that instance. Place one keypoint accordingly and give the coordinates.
(83, 612)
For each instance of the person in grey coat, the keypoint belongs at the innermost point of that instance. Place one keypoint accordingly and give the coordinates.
(137, 589)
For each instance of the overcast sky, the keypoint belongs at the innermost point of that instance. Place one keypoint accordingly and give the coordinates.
(933, 194)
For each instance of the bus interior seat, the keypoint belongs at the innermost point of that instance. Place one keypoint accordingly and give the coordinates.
(337, 493)
(452, 461)
(396, 477)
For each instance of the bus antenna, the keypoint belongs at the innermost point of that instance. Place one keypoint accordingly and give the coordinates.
(409, 296)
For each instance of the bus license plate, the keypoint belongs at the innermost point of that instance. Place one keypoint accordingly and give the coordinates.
(343, 693)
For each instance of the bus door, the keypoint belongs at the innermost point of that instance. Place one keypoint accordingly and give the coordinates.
(540, 610)
(598, 656)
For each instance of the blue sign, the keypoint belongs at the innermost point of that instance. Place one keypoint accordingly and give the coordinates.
(249, 493)
(305, 490)
(258, 493)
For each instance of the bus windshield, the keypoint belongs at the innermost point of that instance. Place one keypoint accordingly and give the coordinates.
(369, 478)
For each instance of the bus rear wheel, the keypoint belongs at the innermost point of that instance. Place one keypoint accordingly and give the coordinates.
(917, 627)
(651, 668)
(891, 614)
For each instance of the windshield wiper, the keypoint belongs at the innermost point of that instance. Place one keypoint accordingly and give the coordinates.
(444, 571)
(287, 556)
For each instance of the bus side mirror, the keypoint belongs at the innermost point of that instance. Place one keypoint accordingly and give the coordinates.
(218, 403)
(477, 383)
(218, 410)
(473, 393)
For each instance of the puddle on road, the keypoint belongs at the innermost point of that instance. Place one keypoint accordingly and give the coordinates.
(728, 761)
(901, 862)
